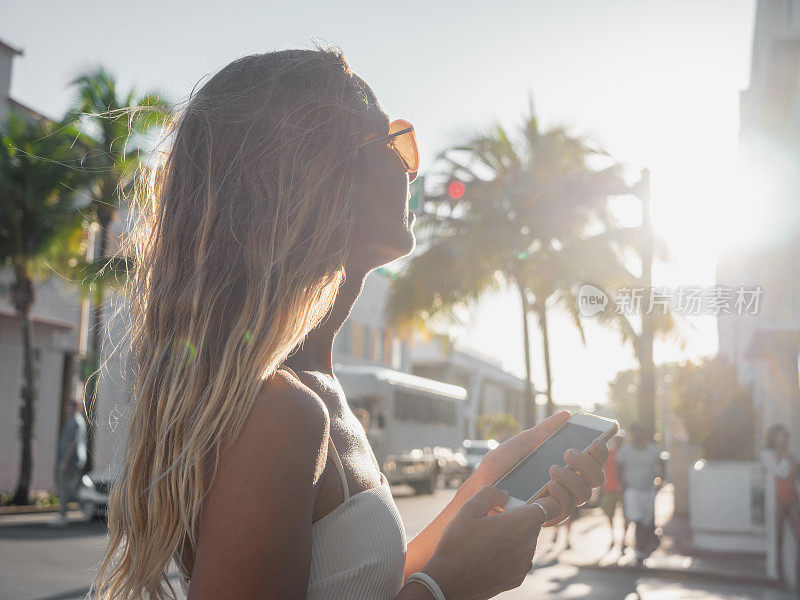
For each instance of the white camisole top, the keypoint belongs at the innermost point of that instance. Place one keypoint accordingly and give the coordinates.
(358, 550)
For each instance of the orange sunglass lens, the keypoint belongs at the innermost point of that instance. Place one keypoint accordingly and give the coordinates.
(405, 144)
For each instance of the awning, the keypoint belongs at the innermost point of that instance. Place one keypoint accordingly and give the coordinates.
(372, 380)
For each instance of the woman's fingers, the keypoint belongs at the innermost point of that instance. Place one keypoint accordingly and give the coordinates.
(577, 486)
(527, 519)
(548, 511)
(564, 499)
(571, 487)
(599, 452)
(590, 469)
(553, 509)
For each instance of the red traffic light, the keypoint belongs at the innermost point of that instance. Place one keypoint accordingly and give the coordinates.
(456, 189)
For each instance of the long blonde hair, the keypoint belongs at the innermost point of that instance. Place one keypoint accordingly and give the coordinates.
(239, 246)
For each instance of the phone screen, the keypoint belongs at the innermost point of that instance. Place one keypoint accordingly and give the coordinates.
(532, 475)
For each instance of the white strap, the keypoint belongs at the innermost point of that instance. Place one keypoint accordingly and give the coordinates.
(334, 454)
(338, 462)
(429, 583)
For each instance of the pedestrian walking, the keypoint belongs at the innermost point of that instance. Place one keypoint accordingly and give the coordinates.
(71, 459)
(637, 465)
(611, 495)
(285, 184)
(781, 469)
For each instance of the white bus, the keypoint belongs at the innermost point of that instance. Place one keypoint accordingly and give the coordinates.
(408, 416)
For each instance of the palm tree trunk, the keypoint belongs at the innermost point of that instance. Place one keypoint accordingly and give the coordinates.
(85, 313)
(647, 391)
(93, 357)
(23, 301)
(530, 401)
(541, 311)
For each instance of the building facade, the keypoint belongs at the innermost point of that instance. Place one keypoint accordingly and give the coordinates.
(765, 347)
(490, 389)
(55, 318)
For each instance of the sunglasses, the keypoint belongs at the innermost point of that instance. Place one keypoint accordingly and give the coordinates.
(402, 140)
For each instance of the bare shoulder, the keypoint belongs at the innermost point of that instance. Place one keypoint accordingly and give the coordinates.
(284, 436)
(271, 468)
(285, 396)
(288, 423)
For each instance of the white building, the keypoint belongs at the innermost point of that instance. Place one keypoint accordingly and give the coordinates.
(490, 389)
(765, 347)
(55, 333)
(364, 338)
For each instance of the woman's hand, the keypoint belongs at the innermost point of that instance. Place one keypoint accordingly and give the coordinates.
(479, 554)
(570, 487)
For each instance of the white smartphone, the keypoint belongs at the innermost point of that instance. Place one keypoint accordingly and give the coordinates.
(527, 480)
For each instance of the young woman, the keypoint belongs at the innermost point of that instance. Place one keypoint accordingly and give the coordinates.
(781, 467)
(285, 185)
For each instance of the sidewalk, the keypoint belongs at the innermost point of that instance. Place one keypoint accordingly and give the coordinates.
(34, 509)
(38, 518)
(675, 559)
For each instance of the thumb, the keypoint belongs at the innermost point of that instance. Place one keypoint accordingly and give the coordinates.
(482, 502)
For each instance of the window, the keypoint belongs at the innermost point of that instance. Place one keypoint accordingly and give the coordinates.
(343, 338)
(376, 346)
(386, 354)
(397, 353)
(357, 340)
(781, 83)
(409, 406)
(366, 341)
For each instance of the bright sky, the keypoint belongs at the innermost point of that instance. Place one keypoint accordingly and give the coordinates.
(655, 82)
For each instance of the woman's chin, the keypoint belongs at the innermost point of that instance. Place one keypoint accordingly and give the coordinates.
(389, 253)
(408, 245)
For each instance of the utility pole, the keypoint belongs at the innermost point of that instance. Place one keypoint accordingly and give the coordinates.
(645, 342)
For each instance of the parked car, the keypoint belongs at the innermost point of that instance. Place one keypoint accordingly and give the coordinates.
(475, 450)
(453, 466)
(93, 493)
(416, 468)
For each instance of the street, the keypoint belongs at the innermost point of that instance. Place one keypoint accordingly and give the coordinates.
(574, 226)
(43, 563)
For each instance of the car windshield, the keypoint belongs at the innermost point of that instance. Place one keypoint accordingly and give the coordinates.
(478, 450)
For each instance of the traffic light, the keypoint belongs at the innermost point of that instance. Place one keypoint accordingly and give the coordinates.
(416, 201)
(456, 189)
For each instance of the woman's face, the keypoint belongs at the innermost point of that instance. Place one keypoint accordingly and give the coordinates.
(382, 231)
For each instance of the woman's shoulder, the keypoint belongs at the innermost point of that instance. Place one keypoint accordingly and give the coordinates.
(287, 408)
(284, 437)
(284, 390)
(271, 468)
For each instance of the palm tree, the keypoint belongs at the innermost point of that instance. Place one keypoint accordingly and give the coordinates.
(38, 220)
(534, 216)
(116, 126)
